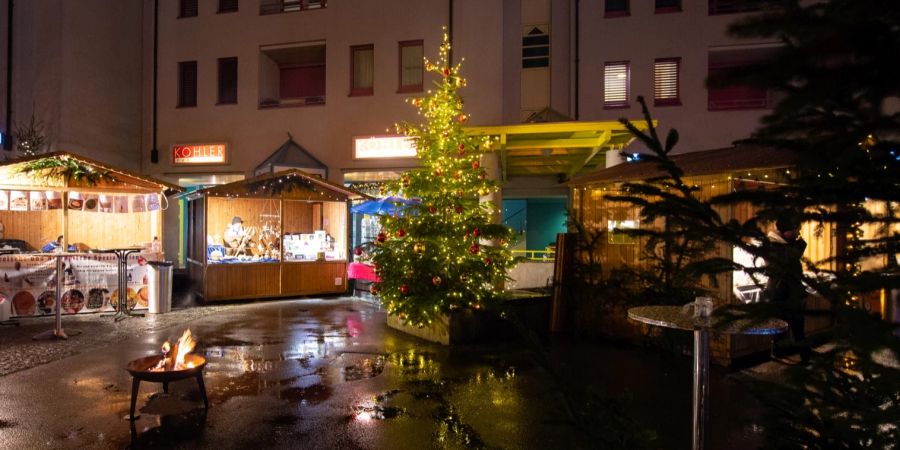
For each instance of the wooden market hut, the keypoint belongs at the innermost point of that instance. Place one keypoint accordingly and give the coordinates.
(89, 203)
(714, 172)
(285, 213)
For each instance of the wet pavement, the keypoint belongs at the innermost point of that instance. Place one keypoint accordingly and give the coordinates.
(330, 374)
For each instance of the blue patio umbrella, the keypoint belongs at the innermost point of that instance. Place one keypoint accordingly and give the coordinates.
(383, 206)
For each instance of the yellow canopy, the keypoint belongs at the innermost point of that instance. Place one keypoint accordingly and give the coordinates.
(556, 148)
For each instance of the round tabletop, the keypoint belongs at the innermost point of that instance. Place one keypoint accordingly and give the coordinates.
(673, 317)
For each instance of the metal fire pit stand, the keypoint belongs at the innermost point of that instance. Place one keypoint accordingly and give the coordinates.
(57, 332)
(122, 256)
(140, 371)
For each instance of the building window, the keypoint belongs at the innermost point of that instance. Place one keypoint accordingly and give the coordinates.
(737, 96)
(187, 8)
(616, 8)
(283, 6)
(187, 84)
(717, 7)
(228, 73)
(362, 69)
(667, 6)
(616, 80)
(411, 54)
(666, 82)
(227, 6)
(536, 48)
(292, 75)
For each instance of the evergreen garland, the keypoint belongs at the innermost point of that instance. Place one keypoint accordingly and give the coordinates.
(65, 169)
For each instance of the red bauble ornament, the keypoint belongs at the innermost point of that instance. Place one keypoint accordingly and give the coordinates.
(432, 209)
(404, 289)
(476, 164)
(405, 181)
(474, 249)
(462, 149)
(373, 289)
(417, 102)
(439, 173)
(459, 209)
(446, 71)
(476, 232)
(462, 118)
(357, 251)
(436, 280)
(488, 261)
(381, 237)
(401, 232)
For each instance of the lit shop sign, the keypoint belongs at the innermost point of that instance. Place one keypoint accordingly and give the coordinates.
(383, 147)
(200, 154)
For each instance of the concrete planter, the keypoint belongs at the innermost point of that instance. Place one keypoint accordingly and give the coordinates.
(466, 326)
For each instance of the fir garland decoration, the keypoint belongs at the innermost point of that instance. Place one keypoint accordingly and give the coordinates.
(65, 169)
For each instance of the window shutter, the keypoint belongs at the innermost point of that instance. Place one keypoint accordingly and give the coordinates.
(228, 5)
(188, 8)
(228, 80)
(665, 81)
(187, 83)
(615, 85)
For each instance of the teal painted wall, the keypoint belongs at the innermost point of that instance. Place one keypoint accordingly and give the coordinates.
(545, 218)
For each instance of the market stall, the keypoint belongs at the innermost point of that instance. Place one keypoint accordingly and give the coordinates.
(273, 235)
(65, 202)
(712, 173)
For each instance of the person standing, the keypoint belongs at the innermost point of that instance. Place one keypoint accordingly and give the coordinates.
(785, 284)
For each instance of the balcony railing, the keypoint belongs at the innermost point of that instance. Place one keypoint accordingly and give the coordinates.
(283, 6)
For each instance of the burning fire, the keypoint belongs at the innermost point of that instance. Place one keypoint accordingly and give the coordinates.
(182, 347)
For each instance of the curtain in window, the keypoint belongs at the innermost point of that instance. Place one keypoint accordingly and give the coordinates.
(411, 65)
(363, 68)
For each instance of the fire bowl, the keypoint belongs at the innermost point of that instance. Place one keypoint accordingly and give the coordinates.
(140, 371)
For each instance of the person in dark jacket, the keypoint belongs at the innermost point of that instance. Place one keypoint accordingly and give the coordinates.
(785, 272)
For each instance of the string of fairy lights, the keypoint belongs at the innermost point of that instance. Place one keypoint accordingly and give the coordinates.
(443, 252)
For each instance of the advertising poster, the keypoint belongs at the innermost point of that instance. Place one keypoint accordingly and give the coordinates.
(18, 201)
(90, 283)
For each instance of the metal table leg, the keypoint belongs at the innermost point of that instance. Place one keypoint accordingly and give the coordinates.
(701, 388)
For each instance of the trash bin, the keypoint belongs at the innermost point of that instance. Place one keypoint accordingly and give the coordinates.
(160, 286)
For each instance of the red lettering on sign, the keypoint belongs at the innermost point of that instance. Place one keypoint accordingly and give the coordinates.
(199, 154)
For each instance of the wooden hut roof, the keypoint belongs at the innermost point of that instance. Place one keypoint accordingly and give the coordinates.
(122, 177)
(284, 182)
(709, 162)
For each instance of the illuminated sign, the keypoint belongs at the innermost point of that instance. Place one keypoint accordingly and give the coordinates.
(383, 147)
(200, 154)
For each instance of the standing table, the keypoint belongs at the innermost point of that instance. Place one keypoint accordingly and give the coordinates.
(672, 317)
(122, 257)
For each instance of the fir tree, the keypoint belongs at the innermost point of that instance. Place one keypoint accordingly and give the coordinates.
(443, 252)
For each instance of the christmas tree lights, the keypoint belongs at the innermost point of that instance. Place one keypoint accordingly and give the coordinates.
(444, 252)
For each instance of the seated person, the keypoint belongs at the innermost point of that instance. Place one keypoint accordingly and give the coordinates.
(237, 238)
(53, 246)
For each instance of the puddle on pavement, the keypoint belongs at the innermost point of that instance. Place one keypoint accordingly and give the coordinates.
(359, 366)
(310, 395)
(171, 430)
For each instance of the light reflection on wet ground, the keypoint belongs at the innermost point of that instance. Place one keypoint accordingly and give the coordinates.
(316, 374)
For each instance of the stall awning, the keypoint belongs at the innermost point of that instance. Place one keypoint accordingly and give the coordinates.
(709, 162)
(292, 183)
(565, 149)
(64, 176)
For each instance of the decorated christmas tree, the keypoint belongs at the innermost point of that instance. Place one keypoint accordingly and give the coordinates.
(442, 251)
